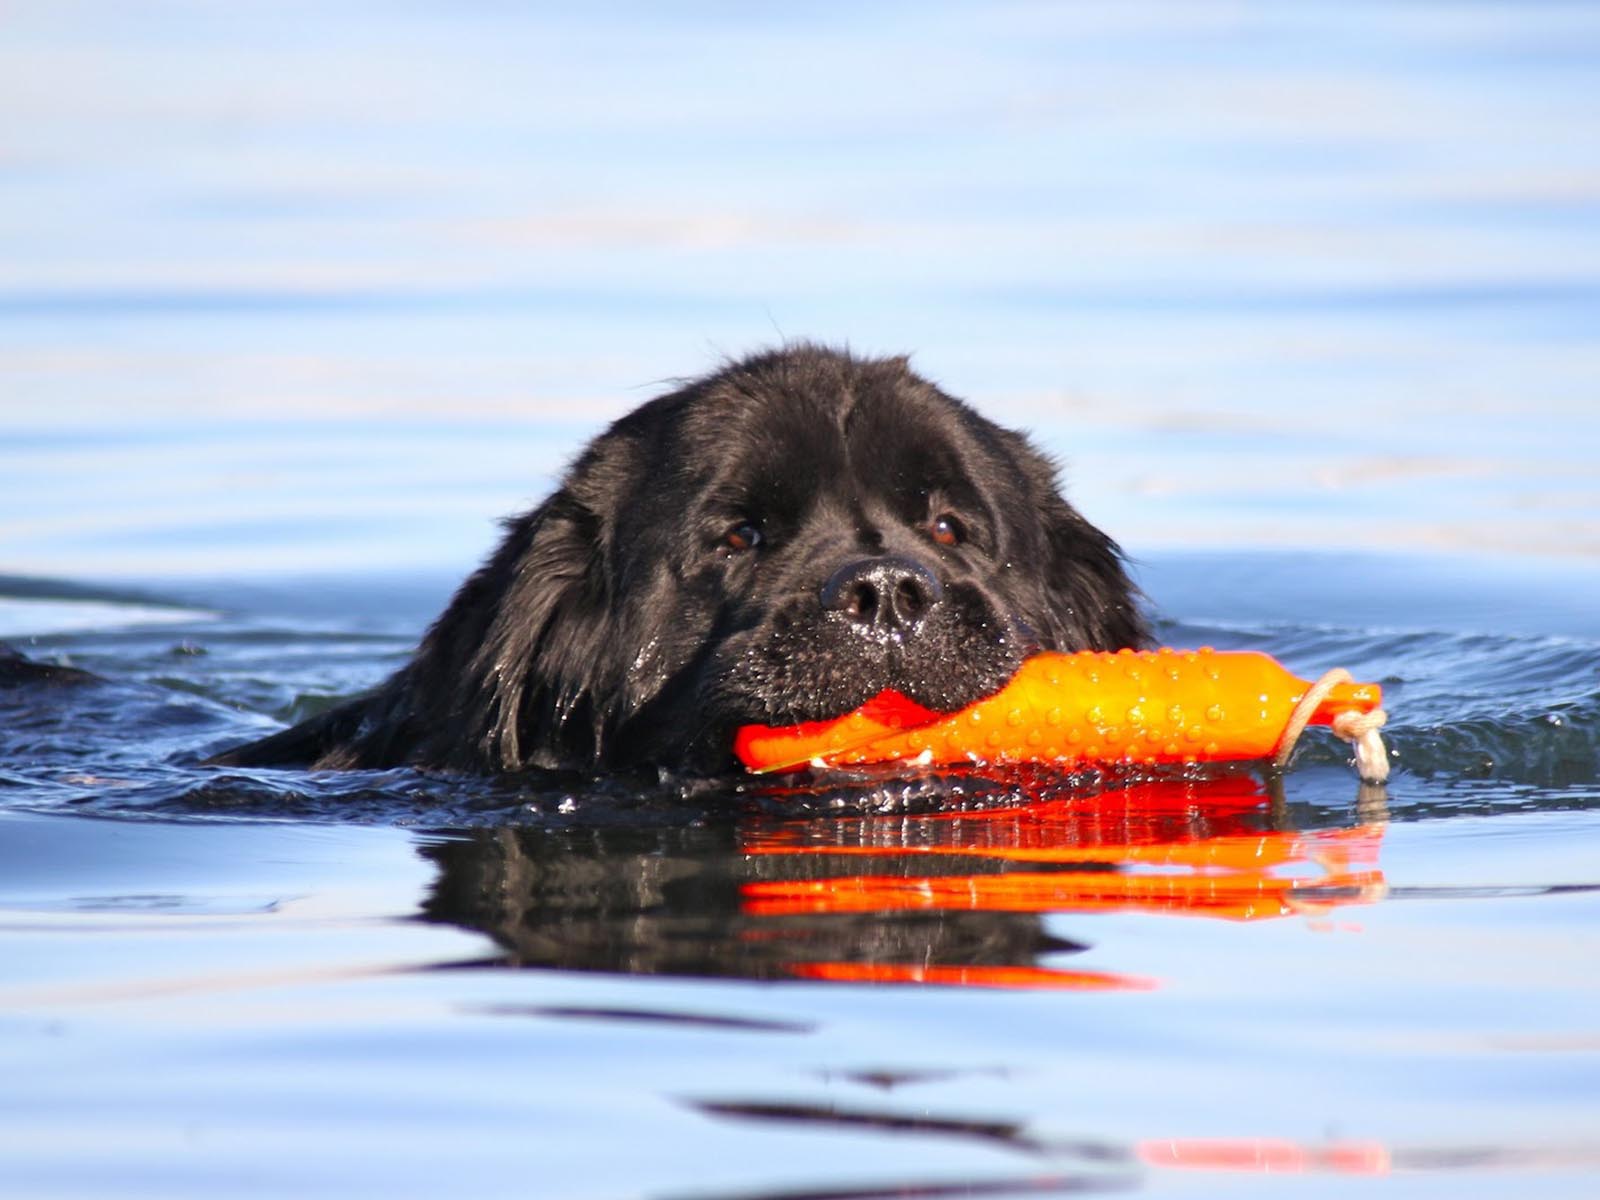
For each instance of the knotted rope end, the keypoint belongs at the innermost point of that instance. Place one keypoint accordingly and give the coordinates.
(1361, 731)
(1358, 728)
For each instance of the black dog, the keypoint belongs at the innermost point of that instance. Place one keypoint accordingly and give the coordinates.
(776, 542)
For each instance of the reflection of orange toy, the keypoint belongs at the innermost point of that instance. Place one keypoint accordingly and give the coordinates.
(1262, 1155)
(1171, 847)
(1128, 848)
(1233, 877)
(1156, 706)
(973, 976)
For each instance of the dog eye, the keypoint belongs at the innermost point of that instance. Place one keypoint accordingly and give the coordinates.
(947, 530)
(743, 536)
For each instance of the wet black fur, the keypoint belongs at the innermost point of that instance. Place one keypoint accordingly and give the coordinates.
(615, 625)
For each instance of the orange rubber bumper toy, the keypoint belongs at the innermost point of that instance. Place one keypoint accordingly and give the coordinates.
(1126, 707)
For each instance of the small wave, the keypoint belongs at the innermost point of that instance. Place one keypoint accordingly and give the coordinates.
(1520, 709)
(33, 608)
(42, 618)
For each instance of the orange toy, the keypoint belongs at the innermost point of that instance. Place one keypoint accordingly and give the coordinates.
(1153, 706)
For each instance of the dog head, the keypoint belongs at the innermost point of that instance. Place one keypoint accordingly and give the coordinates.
(776, 542)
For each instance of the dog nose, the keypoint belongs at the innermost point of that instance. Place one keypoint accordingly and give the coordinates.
(882, 593)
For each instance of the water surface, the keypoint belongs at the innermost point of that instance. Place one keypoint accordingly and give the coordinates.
(297, 299)
(1009, 984)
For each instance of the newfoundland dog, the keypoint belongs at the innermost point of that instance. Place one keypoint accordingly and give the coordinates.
(776, 542)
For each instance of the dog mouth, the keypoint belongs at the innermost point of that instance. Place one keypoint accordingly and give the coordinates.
(944, 685)
(827, 669)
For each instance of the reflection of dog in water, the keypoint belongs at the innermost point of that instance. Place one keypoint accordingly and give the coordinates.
(672, 902)
(935, 898)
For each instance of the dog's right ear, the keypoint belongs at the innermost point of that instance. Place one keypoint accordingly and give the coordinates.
(508, 675)
(506, 678)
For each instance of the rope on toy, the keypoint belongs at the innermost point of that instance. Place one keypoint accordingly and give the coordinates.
(1358, 728)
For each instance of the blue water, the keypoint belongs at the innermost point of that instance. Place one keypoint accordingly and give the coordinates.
(296, 300)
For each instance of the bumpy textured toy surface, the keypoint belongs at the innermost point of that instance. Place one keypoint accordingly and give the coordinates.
(1152, 706)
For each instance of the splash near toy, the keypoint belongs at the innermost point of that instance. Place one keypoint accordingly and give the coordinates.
(1127, 707)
